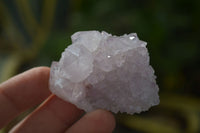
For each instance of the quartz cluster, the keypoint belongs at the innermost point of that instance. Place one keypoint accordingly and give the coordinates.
(101, 71)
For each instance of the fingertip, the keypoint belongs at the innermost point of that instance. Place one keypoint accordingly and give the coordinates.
(40, 75)
(104, 118)
(42, 71)
(99, 121)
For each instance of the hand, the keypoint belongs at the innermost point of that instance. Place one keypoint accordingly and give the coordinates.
(54, 115)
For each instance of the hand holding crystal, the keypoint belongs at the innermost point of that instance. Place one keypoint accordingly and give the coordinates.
(54, 115)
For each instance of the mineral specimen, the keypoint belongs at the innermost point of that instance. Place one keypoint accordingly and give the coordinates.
(101, 71)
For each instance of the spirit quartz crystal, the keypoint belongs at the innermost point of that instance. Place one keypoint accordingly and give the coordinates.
(101, 71)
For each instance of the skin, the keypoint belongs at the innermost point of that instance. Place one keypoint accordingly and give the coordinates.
(54, 115)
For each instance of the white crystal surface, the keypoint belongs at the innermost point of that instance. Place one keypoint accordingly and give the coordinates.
(101, 71)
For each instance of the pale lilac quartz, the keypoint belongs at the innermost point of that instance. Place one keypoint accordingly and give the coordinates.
(101, 71)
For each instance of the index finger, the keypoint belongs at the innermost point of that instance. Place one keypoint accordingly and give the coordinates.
(22, 92)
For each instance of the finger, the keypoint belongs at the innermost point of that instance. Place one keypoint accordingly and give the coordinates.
(99, 121)
(22, 92)
(53, 116)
